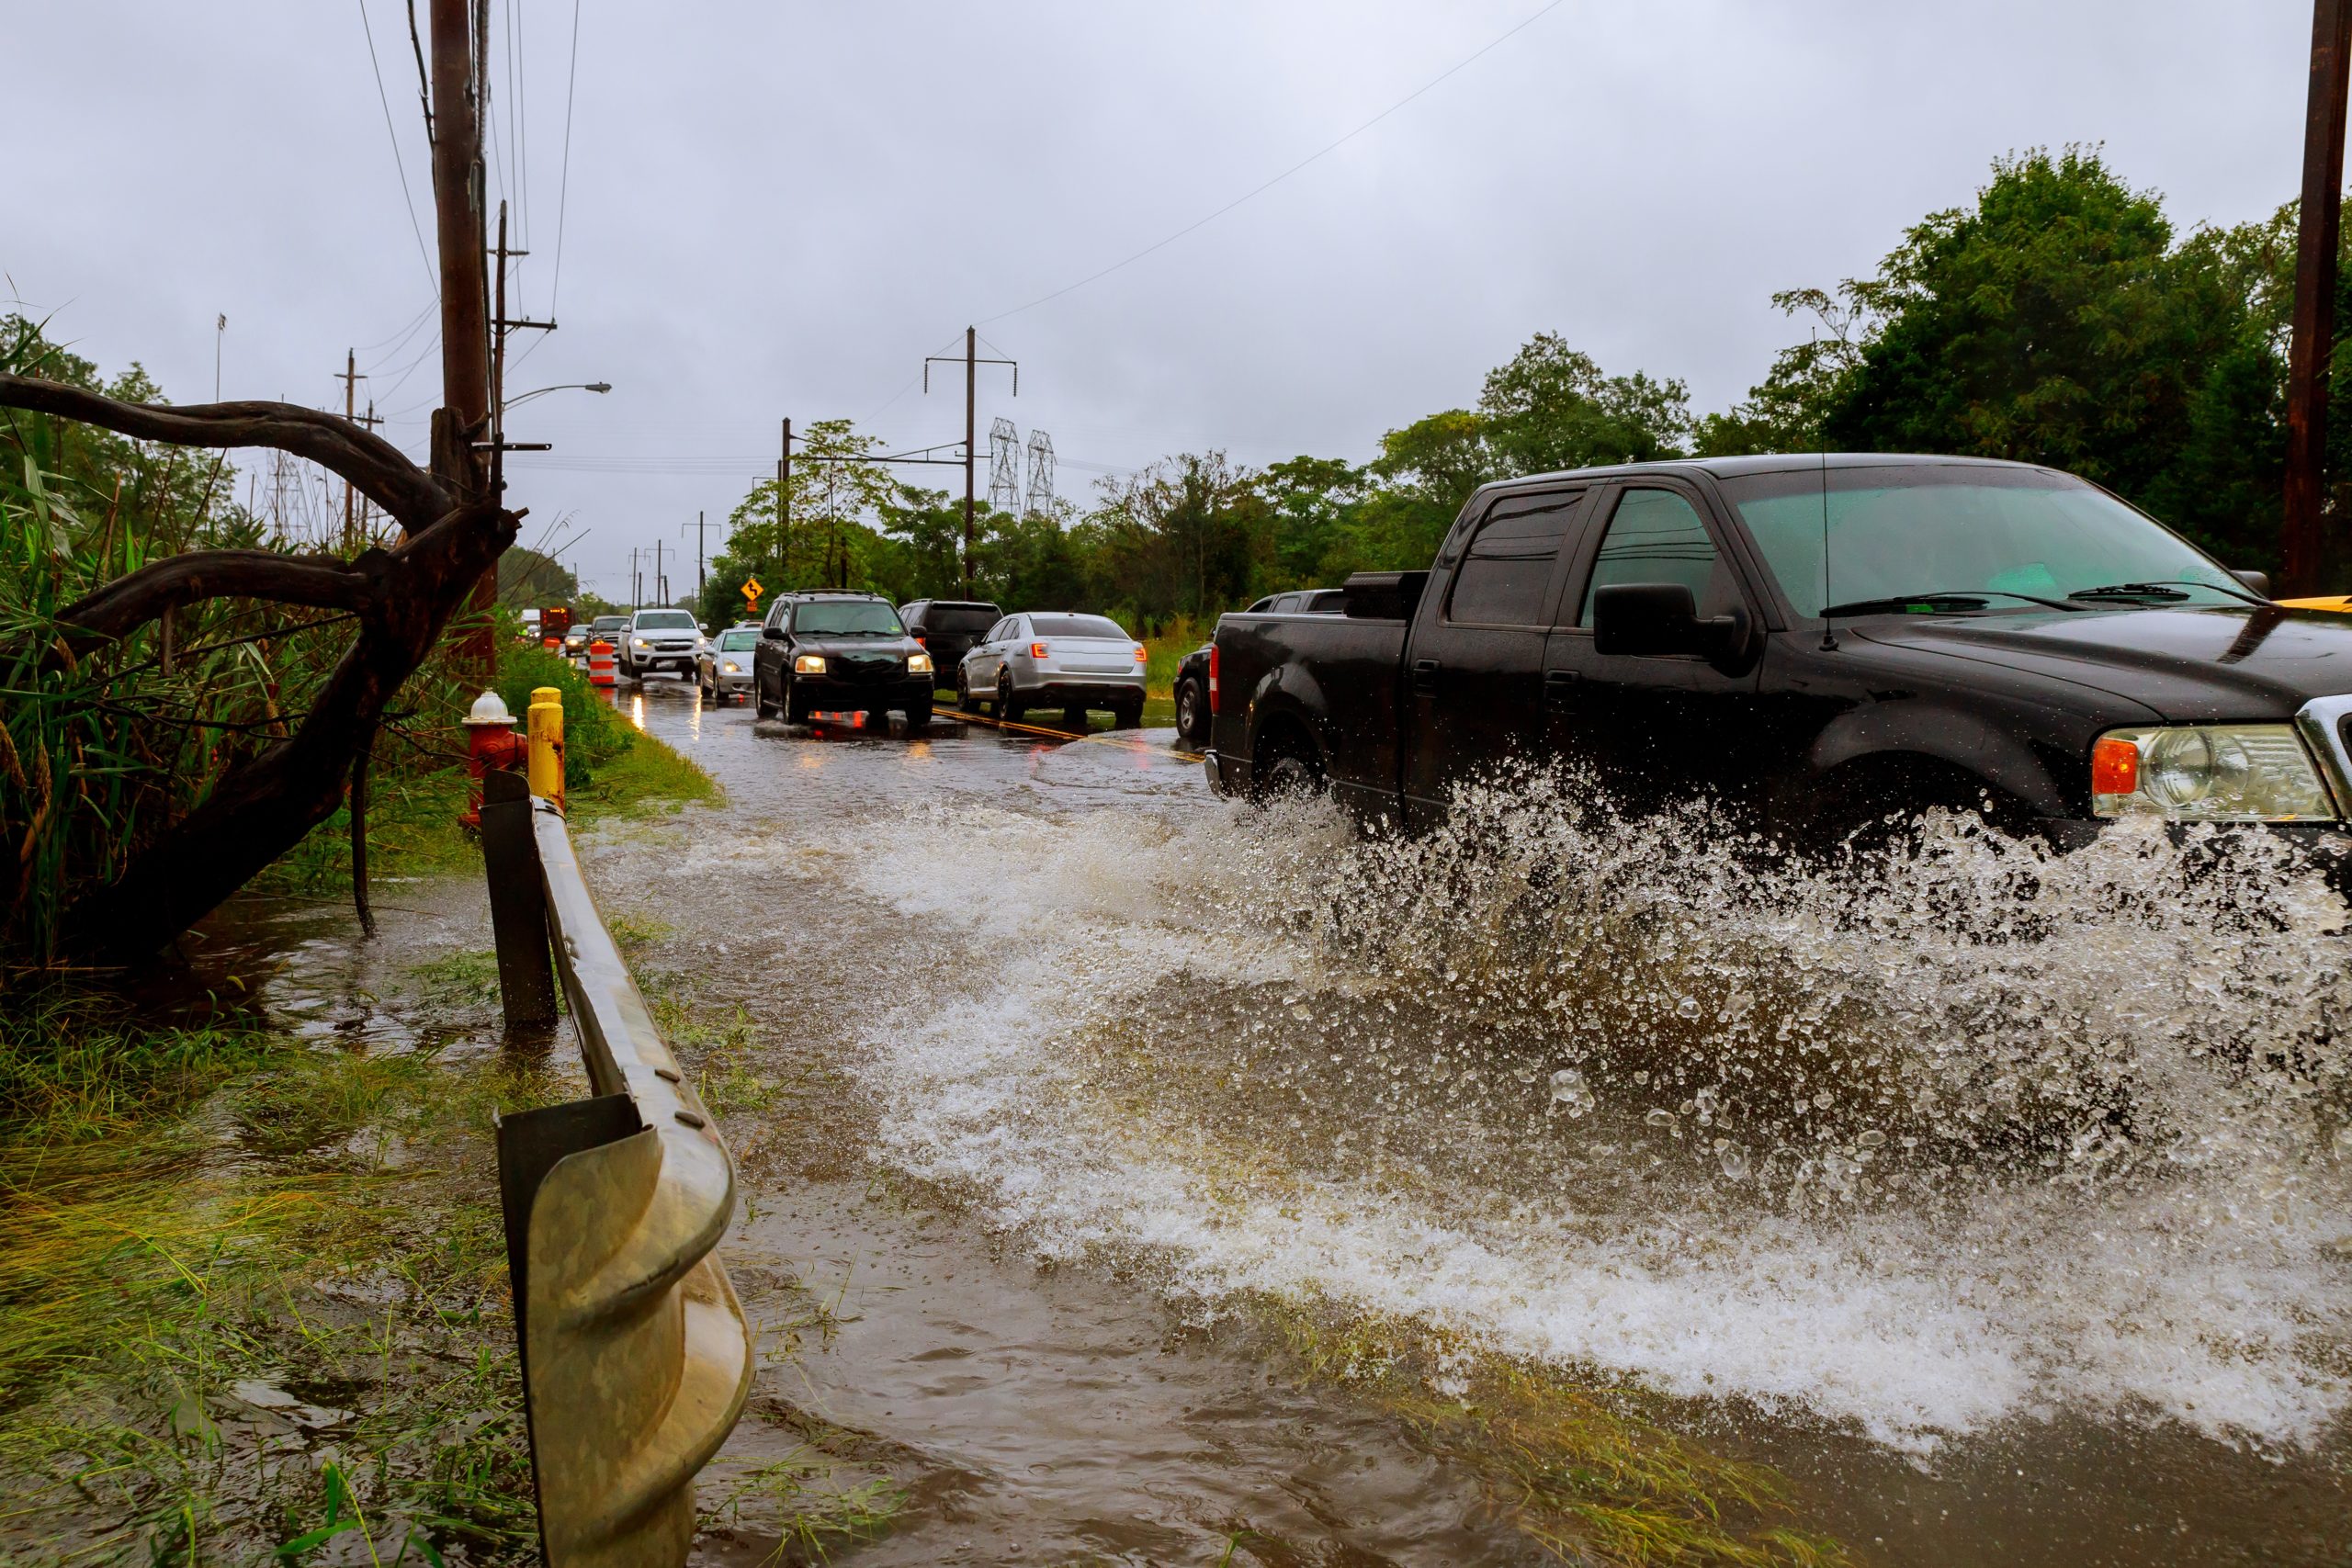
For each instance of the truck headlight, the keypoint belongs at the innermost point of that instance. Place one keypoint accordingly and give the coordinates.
(638, 642)
(2207, 772)
(809, 664)
(918, 663)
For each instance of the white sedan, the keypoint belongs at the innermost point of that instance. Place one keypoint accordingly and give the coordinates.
(1044, 659)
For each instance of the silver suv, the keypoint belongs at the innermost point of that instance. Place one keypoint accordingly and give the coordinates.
(655, 640)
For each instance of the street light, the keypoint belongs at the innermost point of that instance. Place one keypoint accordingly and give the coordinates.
(566, 387)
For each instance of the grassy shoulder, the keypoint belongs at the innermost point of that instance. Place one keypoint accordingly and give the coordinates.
(613, 771)
(253, 1297)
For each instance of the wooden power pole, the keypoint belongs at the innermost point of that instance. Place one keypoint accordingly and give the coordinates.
(351, 379)
(2314, 322)
(971, 402)
(463, 419)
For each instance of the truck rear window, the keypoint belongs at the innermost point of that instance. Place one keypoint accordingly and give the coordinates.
(961, 617)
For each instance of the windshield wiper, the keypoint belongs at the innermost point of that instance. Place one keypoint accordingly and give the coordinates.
(1971, 599)
(2164, 590)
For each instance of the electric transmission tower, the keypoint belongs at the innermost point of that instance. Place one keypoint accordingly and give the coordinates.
(1005, 465)
(1041, 474)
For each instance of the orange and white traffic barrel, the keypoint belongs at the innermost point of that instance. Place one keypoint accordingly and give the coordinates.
(600, 663)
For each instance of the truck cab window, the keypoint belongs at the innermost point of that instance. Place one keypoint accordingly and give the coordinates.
(1655, 536)
(1502, 577)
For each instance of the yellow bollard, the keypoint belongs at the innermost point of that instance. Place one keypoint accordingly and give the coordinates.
(545, 723)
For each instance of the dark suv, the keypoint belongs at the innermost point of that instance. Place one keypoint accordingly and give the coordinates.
(840, 653)
(949, 628)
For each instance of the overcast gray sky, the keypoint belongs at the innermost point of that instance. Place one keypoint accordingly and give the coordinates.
(781, 208)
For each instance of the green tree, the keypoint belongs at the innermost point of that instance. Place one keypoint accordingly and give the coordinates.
(1551, 408)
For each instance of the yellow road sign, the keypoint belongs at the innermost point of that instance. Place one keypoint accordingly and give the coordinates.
(752, 591)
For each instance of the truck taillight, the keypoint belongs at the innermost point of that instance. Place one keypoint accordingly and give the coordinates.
(1212, 678)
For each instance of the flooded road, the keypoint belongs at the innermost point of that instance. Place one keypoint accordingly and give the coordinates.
(1998, 1202)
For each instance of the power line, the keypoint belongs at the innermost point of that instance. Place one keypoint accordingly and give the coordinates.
(1260, 190)
(398, 162)
(563, 182)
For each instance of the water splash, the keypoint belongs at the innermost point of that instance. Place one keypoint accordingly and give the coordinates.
(1956, 1134)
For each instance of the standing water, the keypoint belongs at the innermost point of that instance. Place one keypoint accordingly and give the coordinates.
(1999, 1199)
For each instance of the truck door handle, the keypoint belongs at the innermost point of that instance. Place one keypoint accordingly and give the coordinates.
(1425, 674)
(1559, 685)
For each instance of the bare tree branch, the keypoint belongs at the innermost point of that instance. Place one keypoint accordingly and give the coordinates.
(319, 582)
(373, 464)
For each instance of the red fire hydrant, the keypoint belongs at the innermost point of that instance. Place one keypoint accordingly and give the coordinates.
(491, 742)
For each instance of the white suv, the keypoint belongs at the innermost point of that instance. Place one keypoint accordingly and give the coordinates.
(656, 640)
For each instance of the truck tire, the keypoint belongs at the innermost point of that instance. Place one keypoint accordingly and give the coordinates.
(760, 706)
(918, 717)
(1192, 713)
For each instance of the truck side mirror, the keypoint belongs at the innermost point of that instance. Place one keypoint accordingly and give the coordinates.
(1655, 619)
(773, 633)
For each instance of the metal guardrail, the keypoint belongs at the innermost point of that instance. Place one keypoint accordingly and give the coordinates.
(636, 1354)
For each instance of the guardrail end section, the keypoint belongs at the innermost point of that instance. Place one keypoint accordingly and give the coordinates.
(637, 1358)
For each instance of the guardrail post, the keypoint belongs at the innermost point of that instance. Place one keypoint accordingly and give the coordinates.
(518, 908)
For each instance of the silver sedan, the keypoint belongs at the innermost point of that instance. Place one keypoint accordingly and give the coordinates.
(723, 663)
(1049, 659)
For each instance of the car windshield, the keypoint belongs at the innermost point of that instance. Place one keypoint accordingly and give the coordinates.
(1078, 625)
(961, 617)
(736, 642)
(847, 618)
(1899, 536)
(665, 621)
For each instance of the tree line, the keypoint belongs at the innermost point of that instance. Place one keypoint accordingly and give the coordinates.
(2060, 318)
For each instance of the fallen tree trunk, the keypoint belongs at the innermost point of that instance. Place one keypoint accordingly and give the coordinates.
(403, 600)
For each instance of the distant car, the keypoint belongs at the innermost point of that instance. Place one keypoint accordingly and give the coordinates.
(576, 640)
(948, 628)
(1193, 673)
(1048, 659)
(723, 668)
(656, 641)
(604, 628)
(841, 653)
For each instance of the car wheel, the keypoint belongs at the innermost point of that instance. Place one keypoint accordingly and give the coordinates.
(796, 707)
(1008, 707)
(918, 717)
(760, 706)
(1128, 716)
(1188, 710)
(963, 689)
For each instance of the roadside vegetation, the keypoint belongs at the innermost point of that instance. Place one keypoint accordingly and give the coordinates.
(2062, 317)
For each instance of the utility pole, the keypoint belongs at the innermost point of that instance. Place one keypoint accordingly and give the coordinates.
(661, 577)
(459, 180)
(367, 518)
(351, 379)
(635, 582)
(784, 509)
(702, 572)
(2313, 339)
(972, 363)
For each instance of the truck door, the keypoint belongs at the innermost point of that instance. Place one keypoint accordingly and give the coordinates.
(1653, 727)
(1474, 667)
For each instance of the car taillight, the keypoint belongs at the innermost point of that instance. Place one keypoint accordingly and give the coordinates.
(1036, 650)
(1211, 677)
(1143, 654)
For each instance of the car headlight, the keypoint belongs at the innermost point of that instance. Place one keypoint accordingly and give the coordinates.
(638, 642)
(809, 664)
(2207, 772)
(731, 666)
(918, 663)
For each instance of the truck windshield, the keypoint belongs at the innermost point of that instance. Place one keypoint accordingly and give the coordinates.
(847, 618)
(1899, 536)
(665, 621)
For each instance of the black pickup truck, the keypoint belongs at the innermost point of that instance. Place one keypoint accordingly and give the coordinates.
(1815, 640)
